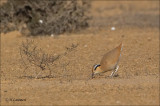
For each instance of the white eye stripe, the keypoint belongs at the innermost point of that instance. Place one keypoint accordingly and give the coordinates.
(95, 66)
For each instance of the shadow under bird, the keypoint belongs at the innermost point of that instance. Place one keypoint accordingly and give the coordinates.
(109, 62)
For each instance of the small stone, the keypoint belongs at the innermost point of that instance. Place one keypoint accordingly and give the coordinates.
(113, 28)
(117, 101)
(41, 21)
(52, 35)
(149, 39)
(85, 46)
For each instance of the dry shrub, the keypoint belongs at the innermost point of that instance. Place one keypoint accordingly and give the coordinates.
(32, 56)
(58, 16)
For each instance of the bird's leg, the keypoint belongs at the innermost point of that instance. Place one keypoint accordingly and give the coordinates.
(112, 74)
(116, 69)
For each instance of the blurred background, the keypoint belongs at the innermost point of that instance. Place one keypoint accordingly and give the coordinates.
(69, 16)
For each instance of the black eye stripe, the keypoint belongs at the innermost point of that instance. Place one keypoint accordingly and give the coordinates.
(95, 67)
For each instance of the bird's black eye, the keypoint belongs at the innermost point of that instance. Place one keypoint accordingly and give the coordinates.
(95, 66)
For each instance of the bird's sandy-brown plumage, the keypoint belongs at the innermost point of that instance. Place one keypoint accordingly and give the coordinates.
(109, 61)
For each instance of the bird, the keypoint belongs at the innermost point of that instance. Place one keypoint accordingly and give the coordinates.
(109, 62)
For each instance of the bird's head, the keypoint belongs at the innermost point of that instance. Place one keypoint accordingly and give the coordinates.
(96, 69)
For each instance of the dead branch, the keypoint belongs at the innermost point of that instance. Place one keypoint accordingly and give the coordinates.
(31, 55)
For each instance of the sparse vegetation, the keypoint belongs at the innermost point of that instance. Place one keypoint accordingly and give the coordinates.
(31, 55)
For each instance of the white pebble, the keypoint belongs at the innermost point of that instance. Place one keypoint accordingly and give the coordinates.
(113, 28)
(149, 39)
(52, 35)
(41, 21)
(117, 101)
(85, 45)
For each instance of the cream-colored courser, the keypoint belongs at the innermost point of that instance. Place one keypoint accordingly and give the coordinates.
(109, 62)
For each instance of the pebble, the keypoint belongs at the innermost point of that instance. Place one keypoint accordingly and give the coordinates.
(149, 39)
(85, 46)
(41, 21)
(113, 28)
(52, 35)
(117, 101)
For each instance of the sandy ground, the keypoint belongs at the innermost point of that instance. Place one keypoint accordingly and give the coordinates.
(137, 83)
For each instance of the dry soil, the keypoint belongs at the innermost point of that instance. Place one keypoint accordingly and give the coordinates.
(137, 80)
